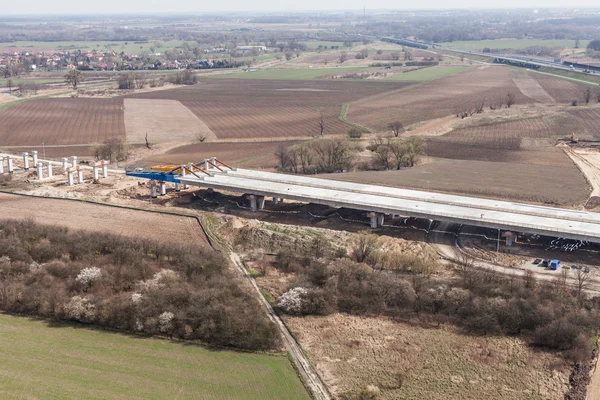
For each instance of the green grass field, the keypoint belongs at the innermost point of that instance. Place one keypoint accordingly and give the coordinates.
(284, 74)
(513, 44)
(426, 74)
(65, 361)
(316, 44)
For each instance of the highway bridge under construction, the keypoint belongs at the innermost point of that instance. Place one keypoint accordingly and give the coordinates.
(378, 201)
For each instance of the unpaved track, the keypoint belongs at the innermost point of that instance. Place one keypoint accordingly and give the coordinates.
(443, 240)
(309, 376)
(590, 169)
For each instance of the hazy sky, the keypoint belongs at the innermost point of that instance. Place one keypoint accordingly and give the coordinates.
(159, 6)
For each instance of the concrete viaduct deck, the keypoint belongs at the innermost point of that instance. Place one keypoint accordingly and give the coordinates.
(381, 200)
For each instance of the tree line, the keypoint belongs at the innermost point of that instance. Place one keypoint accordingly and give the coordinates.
(364, 279)
(136, 285)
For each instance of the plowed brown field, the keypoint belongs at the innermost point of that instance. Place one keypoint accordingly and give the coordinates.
(61, 121)
(247, 155)
(247, 108)
(536, 183)
(589, 119)
(436, 99)
(507, 135)
(562, 90)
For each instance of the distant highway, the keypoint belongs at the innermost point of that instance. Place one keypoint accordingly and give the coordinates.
(521, 61)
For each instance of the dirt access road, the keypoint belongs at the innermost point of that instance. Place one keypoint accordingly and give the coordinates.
(588, 162)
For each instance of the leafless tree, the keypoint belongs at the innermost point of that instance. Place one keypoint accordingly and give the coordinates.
(305, 155)
(200, 137)
(147, 142)
(396, 127)
(587, 95)
(288, 55)
(321, 123)
(140, 81)
(479, 105)
(363, 245)
(395, 55)
(510, 99)
(343, 57)
(283, 157)
(382, 156)
(407, 55)
(529, 279)
(581, 282)
(9, 83)
(467, 269)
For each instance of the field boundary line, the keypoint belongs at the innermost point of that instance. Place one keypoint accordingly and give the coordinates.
(211, 241)
(564, 77)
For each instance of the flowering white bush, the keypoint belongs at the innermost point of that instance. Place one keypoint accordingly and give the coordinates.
(136, 298)
(89, 275)
(80, 309)
(165, 321)
(293, 301)
(159, 280)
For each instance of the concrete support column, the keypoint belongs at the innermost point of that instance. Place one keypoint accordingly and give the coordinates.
(9, 164)
(105, 170)
(206, 165)
(25, 161)
(178, 187)
(153, 189)
(70, 178)
(95, 172)
(260, 202)
(213, 160)
(380, 219)
(374, 219)
(275, 200)
(182, 166)
(34, 155)
(252, 202)
(163, 188)
(73, 161)
(1, 165)
(40, 171)
(65, 163)
(49, 167)
(79, 176)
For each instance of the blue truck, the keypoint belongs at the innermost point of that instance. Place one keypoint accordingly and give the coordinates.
(554, 264)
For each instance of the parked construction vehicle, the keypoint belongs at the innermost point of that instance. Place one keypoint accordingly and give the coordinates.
(574, 138)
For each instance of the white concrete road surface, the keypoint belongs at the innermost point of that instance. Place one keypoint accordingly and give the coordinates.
(519, 217)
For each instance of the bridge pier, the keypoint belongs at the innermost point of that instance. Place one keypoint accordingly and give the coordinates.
(1, 165)
(26, 161)
(9, 164)
(49, 166)
(163, 188)
(178, 187)
(153, 189)
(275, 200)
(376, 219)
(256, 202)
(65, 163)
(79, 176)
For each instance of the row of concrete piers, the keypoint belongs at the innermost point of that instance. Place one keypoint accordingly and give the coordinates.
(45, 168)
